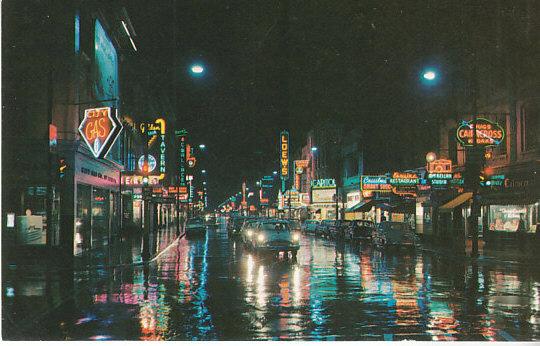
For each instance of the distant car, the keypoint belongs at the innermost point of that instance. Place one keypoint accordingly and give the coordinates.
(295, 225)
(395, 234)
(234, 225)
(309, 226)
(210, 220)
(274, 236)
(360, 230)
(195, 227)
(247, 230)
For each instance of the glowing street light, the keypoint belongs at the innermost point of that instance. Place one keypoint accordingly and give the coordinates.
(203, 171)
(274, 172)
(197, 69)
(314, 149)
(202, 146)
(429, 75)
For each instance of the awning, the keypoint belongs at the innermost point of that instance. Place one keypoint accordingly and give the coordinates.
(456, 202)
(363, 206)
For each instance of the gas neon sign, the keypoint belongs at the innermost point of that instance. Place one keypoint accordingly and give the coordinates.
(99, 129)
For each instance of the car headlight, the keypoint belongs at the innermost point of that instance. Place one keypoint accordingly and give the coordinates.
(249, 233)
(260, 237)
(296, 237)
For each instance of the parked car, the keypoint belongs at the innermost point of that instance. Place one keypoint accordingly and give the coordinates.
(195, 227)
(309, 226)
(395, 234)
(360, 230)
(274, 236)
(321, 228)
(336, 229)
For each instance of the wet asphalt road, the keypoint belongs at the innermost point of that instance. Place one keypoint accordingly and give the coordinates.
(213, 289)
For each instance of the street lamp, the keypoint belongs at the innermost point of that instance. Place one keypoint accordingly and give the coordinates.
(314, 149)
(197, 70)
(202, 146)
(429, 75)
(274, 172)
(203, 171)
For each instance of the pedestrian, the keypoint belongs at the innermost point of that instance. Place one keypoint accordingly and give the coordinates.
(521, 232)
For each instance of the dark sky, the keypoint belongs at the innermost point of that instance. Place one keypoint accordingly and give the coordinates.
(293, 64)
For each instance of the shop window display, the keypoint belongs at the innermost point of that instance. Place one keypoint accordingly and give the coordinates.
(506, 218)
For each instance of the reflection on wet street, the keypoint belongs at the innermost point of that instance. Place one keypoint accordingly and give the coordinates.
(213, 289)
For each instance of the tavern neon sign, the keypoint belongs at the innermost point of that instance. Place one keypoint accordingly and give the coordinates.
(100, 129)
(488, 133)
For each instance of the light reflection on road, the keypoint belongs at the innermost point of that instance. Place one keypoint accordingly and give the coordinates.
(212, 288)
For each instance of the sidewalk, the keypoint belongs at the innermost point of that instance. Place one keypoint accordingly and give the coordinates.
(507, 254)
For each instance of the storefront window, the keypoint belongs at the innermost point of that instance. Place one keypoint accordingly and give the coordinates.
(100, 217)
(506, 217)
(83, 223)
(32, 225)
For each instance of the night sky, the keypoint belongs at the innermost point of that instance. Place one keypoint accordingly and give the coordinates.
(275, 65)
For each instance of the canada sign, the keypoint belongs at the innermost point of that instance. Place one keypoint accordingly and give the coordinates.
(99, 129)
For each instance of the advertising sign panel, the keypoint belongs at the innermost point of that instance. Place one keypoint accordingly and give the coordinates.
(99, 130)
(322, 195)
(488, 133)
(284, 155)
(375, 183)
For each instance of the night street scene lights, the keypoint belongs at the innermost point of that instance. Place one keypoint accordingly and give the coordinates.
(430, 76)
(314, 149)
(202, 146)
(197, 70)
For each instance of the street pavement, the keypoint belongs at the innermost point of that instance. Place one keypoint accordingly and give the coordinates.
(212, 288)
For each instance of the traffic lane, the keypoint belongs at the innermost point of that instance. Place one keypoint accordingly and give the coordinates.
(211, 288)
(335, 291)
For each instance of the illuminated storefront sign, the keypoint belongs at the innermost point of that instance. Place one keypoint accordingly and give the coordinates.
(488, 133)
(300, 166)
(404, 178)
(404, 183)
(99, 129)
(284, 155)
(494, 181)
(323, 195)
(440, 166)
(137, 180)
(162, 146)
(457, 180)
(182, 136)
(439, 180)
(152, 163)
(323, 183)
(375, 183)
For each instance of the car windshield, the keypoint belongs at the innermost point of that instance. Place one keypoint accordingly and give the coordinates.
(275, 226)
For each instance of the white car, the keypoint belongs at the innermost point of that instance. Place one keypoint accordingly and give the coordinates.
(274, 236)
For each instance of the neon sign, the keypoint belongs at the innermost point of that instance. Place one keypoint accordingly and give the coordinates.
(440, 166)
(99, 129)
(152, 163)
(375, 183)
(137, 180)
(488, 133)
(323, 183)
(284, 157)
(404, 183)
(182, 134)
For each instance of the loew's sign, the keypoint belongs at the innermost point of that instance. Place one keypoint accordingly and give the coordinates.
(284, 155)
